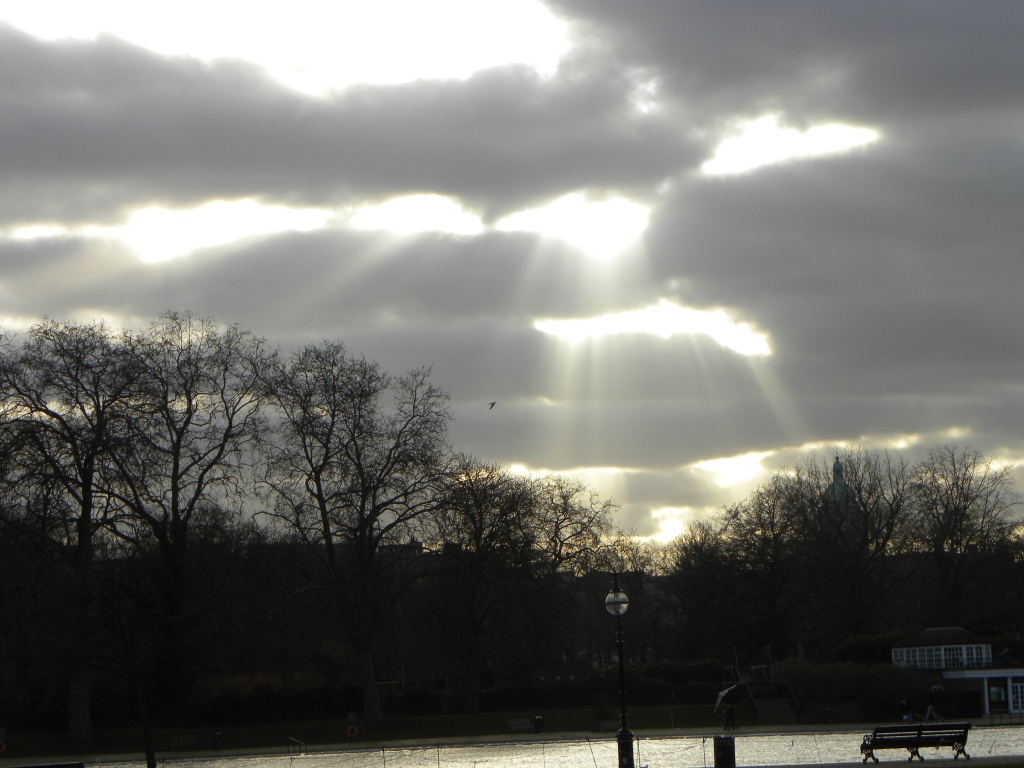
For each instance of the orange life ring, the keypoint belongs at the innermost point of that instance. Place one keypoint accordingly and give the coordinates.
(352, 731)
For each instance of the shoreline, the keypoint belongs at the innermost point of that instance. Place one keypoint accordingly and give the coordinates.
(500, 740)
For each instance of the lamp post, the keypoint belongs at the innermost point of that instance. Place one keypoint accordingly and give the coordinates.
(617, 604)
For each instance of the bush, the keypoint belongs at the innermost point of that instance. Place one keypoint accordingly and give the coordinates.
(863, 691)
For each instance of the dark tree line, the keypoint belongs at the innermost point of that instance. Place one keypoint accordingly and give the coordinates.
(149, 479)
(863, 545)
(188, 517)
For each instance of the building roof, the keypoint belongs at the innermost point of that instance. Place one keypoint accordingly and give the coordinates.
(940, 636)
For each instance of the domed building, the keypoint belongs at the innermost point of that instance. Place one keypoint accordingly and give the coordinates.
(838, 494)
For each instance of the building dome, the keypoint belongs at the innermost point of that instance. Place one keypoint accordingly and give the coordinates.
(838, 492)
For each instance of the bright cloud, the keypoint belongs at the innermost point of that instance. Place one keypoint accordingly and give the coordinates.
(315, 46)
(158, 234)
(673, 521)
(734, 470)
(765, 141)
(602, 228)
(664, 319)
(417, 213)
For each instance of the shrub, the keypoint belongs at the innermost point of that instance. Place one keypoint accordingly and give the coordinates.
(866, 691)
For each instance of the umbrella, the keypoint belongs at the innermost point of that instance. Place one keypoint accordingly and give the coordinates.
(723, 694)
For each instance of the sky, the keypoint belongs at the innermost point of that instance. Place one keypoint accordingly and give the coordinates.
(682, 244)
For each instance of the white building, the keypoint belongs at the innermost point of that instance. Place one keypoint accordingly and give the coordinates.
(965, 662)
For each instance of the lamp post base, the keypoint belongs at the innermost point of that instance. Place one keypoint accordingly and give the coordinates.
(625, 739)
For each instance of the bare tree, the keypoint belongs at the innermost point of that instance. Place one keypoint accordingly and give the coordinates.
(195, 417)
(64, 392)
(762, 544)
(965, 507)
(854, 518)
(572, 525)
(641, 565)
(702, 585)
(483, 534)
(357, 458)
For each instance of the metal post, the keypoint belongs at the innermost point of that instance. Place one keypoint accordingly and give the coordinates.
(624, 736)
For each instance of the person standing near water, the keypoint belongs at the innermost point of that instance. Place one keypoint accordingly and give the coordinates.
(730, 718)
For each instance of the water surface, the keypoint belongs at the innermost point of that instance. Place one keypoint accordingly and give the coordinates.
(662, 752)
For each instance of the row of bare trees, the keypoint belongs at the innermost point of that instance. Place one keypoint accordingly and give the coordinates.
(184, 502)
(864, 545)
(141, 461)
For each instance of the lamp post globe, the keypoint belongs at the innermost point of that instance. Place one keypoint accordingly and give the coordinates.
(617, 603)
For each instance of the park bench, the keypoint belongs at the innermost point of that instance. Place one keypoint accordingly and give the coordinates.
(913, 736)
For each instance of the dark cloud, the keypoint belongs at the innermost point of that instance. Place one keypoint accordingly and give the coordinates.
(94, 127)
(869, 61)
(887, 278)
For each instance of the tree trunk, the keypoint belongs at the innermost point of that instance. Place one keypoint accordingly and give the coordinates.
(147, 728)
(372, 710)
(79, 714)
(80, 685)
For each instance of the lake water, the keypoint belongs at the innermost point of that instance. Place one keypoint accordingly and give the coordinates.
(662, 752)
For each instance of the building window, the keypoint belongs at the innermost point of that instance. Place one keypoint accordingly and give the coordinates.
(943, 657)
(1016, 697)
(952, 657)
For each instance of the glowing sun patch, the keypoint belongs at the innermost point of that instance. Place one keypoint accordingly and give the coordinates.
(317, 47)
(765, 141)
(157, 233)
(664, 319)
(410, 214)
(601, 228)
(734, 470)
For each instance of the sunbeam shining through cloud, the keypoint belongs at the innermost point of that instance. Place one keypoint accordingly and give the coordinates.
(680, 247)
(664, 319)
(601, 228)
